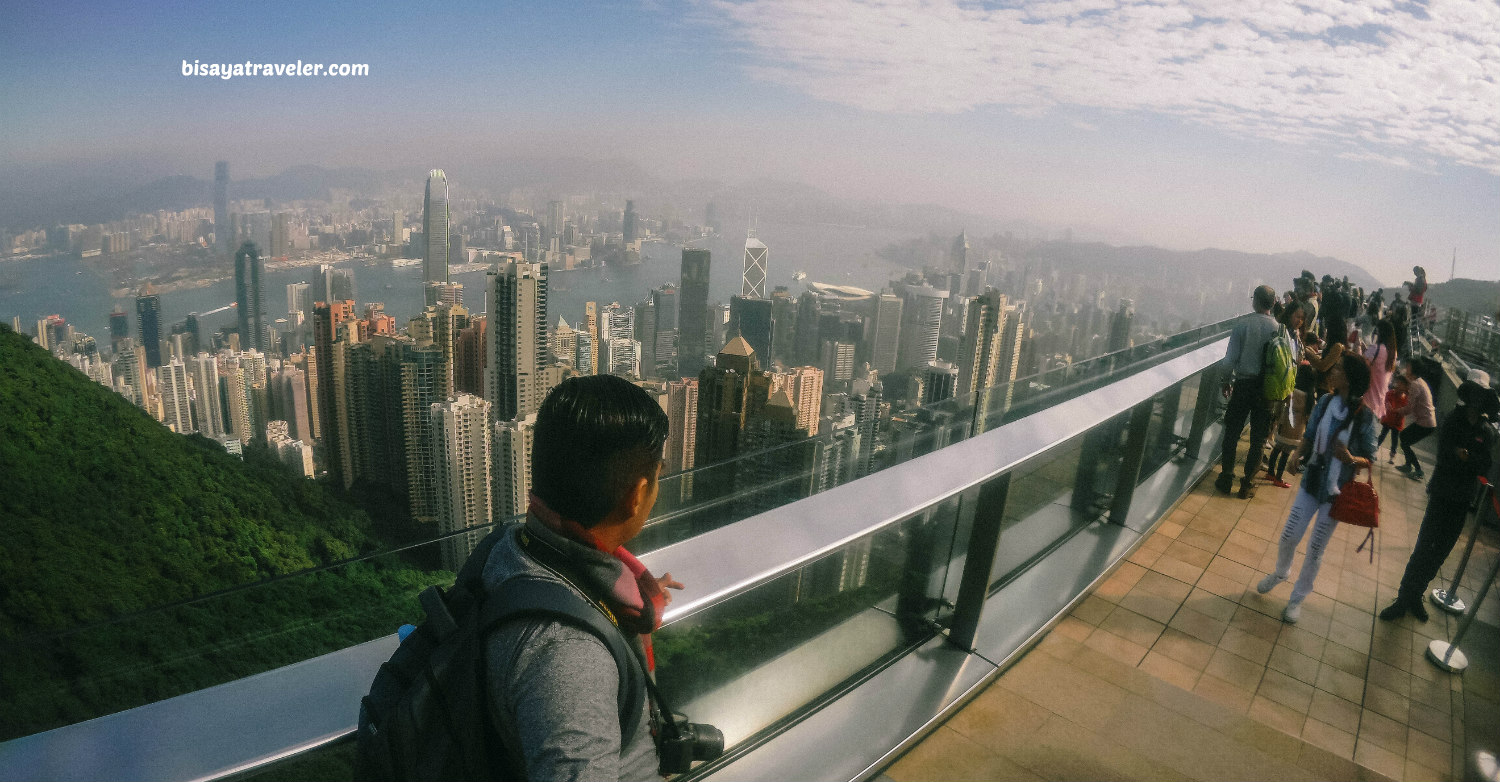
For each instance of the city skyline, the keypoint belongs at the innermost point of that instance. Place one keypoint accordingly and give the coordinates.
(1360, 132)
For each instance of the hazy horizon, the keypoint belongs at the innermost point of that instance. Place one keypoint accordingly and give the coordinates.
(1367, 132)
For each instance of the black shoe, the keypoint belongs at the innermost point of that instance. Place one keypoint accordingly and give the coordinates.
(1247, 490)
(1418, 610)
(1404, 468)
(1417, 476)
(1394, 611)
(1225, 483)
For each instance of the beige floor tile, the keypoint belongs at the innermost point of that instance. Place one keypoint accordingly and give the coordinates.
(1204, 628)
(1133, 627)
(1416, 772)
(1093, 609)
(1345, 685)
(1155, 607)
(1193, 537)
(1437, 694)
(1164, 586)
(1294, 664)
(1257, 624)
(1380, 760)
(1354, 638)
(1435, 723)
(1345, 659)
(1382, 730)
(1169, 670)
(1435, 754)
(1060, 646)
(1063, 750)
(1233, 570)
(948, 755)
(1236, 670)
(1302, 642)
(1328, 737)
(1184, 649)
(1064, 690)
(1223, 693)
(1227, 588)
(1256, 650)
(1389, 677)
(1285, 690)
(1191, 555)
(1330, 708)
(1210, 604)
(1386, 703)
(998, 719)
(1074, 628)
(1116, 647)
(1278, 716)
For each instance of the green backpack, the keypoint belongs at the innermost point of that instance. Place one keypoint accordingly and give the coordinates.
(1278, 367)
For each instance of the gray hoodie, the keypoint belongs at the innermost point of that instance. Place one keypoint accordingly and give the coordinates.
(553, 689)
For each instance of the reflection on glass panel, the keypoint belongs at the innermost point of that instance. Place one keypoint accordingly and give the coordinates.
(1056, 493)
(760, 656)
(101, 669)
(329, 763)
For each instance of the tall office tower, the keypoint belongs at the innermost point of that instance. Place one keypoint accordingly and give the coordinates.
(333, 284)
(289, 400)
(281, 234)
(692, 313)
(422, 385)
(630, 228)
(939, 379)
(751, 318)
(450, 293)
(805, 385)
(148, 316)
(730, 392)
(1119, 326)
(204, 369)
(172, 383)
(645, 336)
(955, 322)
(958, 257)
(461, 457)
(711, 217)
(980, 353)
(864, 402)
(237, 395)
(249, 270)
(327, 319)
(591, 327)
(922, 321)
(555, 218)
(621, 357)
(664, 308)
(299, 298)
(119, 329)
(887, 332)
(682, 429)
(512, 467)
(223, 236)
(469, 356)
(753, 283)
(837, 360)
(435, 217)
(586, 353)
(809, 343)
(516, 295)
(562, 342)
(773, 474)
(398, 231)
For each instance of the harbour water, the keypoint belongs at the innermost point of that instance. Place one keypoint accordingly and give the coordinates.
(77, 290)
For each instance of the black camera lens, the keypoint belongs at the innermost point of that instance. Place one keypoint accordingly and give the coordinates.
(707, 742)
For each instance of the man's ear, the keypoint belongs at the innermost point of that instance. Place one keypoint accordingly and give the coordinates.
(636, 497)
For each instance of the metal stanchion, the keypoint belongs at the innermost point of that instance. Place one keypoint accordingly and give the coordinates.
(1447, 655)
(1448, 599)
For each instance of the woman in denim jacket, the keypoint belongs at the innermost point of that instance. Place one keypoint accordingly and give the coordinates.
(1340, 434)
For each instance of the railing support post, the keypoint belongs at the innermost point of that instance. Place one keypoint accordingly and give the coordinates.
(1130, 461)
(1203, 408)
(984, 543)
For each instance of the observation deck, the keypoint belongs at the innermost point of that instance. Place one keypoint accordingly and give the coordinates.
(1037, 583)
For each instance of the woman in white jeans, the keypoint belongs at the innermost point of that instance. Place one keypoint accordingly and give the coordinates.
(1340, 439)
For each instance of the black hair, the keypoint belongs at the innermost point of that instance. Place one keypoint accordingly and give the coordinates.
(1358, 375)
(1386, 335)
(1264, 297)
(595, 437)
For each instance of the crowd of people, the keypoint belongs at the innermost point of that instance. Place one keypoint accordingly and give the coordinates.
(1355, 372)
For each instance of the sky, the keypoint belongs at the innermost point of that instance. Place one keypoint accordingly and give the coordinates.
(1365, 130)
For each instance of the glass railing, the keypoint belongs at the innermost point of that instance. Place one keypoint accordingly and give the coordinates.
(751, 662)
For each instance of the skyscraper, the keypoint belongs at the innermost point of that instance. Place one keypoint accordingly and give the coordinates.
(750, 318)
(289, 400)
(958, 258)
(664, 310)
(461, 456)
(692, 315)
(512, 466)
(682, 429)
(922, 316)
(327, 318)
(805, 386)
(172, 384)
(205, 373)
(730, 392)
(754, 282)
(333, 284)
(887, 333)
(119, 328)
(435, 218)
(223, 236)
(469, 356)
(248, 271)
(630, 228)
(148, 316)
(516, 295)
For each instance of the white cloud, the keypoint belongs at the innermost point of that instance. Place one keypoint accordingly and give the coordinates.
(1401, 82)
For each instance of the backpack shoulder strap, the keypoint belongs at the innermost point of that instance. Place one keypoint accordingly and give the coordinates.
(544, 599)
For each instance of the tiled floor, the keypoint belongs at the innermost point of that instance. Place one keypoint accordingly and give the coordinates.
(1176, 668)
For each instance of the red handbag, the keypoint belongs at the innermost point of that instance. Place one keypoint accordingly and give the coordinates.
(1357, 503)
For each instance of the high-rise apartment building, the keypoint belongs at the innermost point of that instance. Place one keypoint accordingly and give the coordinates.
(148, 316)
(469, 355)
(334, 284)
(435, 219)
(422, 385)
(753, 281)
(204, 369)
(289, 400)
(516, 295)
(512, 470)
(664, 335)
(223, 235)
(804, 385)
(692, 316)
(299, 298)
(590, 326)
(328, 318)
(682, 430)
(176, 405)
(238, 396)
(886, 334)
(461, 458)
(249, 270)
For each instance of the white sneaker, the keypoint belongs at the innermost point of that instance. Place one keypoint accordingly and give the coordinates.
(1268, 583)
(1292, 613)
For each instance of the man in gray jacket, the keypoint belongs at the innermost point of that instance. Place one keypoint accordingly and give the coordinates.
(554, 687)
(1245, 362)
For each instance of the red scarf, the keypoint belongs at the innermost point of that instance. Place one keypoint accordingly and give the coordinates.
(627, 588)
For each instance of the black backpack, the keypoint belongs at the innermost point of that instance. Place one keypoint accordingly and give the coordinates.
(427, 716)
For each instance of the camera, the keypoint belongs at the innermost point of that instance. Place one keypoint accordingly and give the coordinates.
(679, 743)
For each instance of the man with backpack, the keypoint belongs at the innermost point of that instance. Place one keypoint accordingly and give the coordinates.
(537, 663)
(1246, 362)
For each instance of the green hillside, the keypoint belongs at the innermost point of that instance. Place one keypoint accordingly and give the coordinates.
(116, 536)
